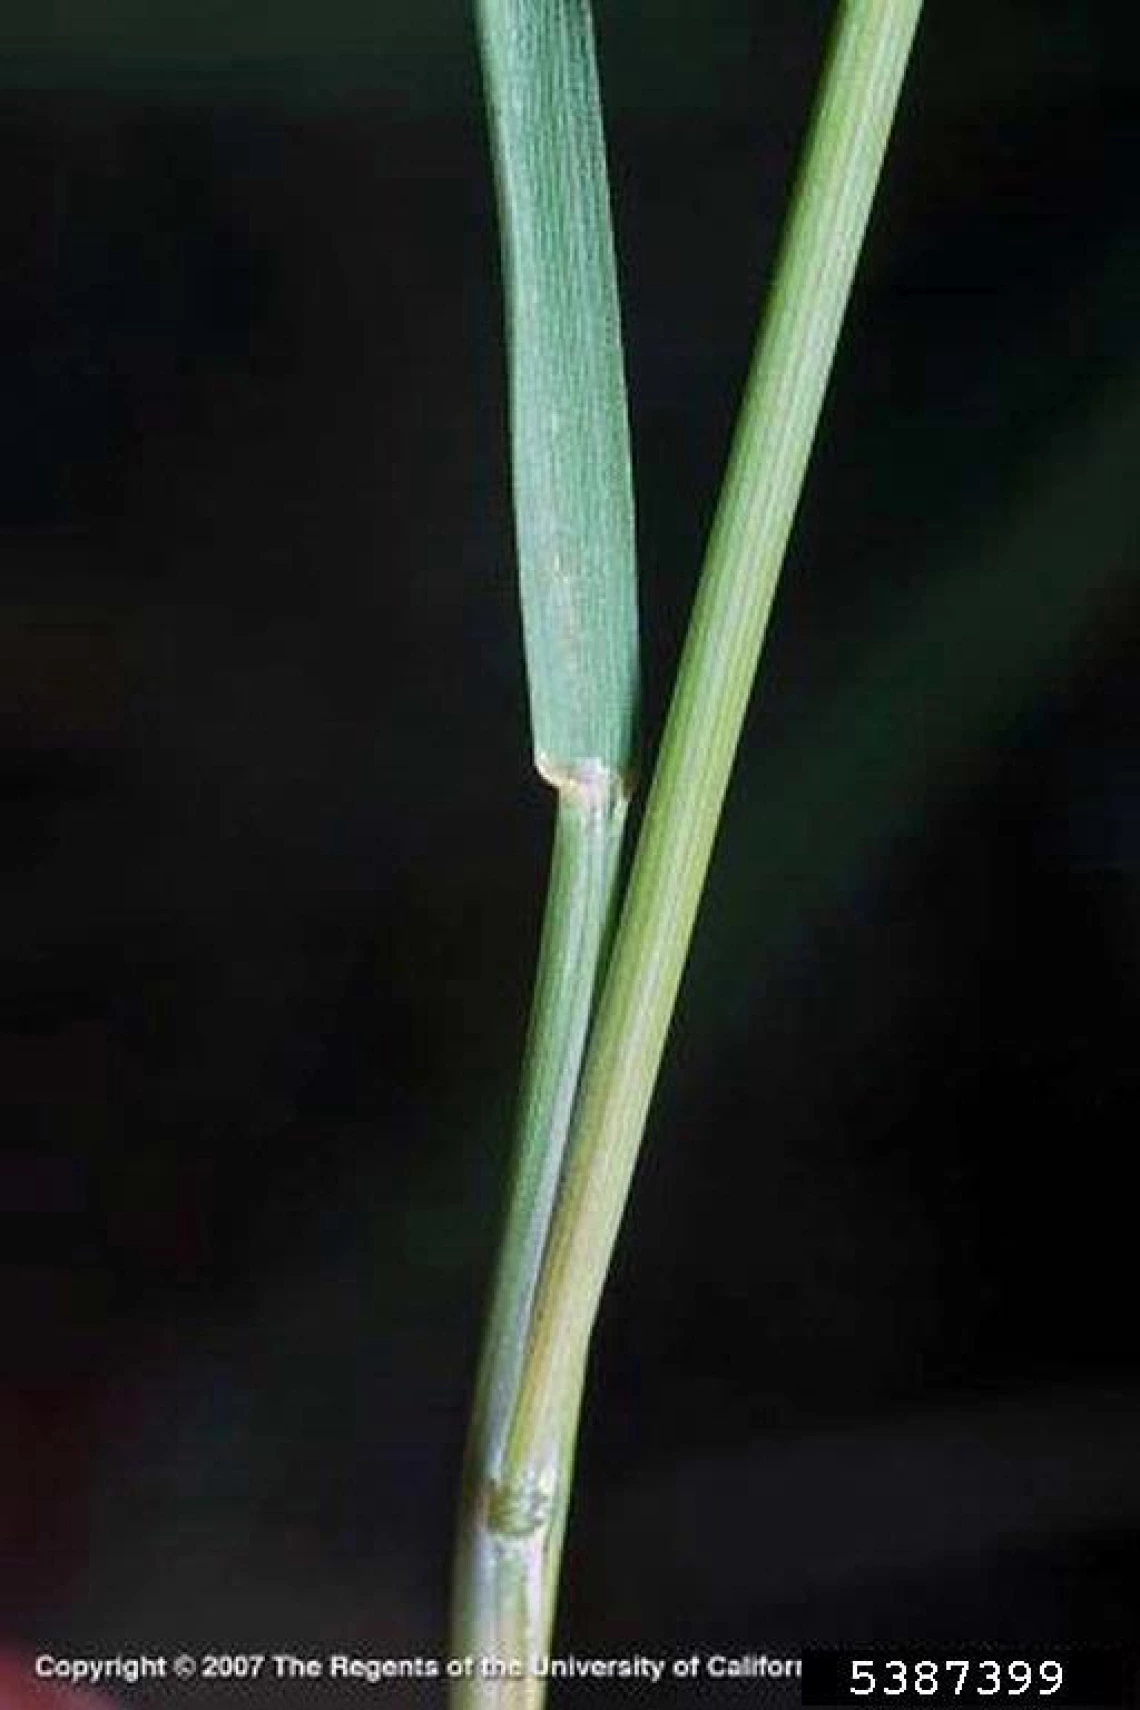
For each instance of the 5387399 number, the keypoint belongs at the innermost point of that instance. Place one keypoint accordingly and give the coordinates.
(900, 1678)
(988, 1677)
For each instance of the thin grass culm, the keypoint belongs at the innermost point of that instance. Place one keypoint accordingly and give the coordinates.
(574, 532)
(571, 1189)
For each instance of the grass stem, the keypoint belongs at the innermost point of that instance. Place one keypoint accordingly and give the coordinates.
(592, 1061)
(778, 422)
(573, 505)
(514, 1496)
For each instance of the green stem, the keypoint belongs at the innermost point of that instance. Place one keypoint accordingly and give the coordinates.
(573, 506)
(514, 1496)
(781, 410)
(580, 1127)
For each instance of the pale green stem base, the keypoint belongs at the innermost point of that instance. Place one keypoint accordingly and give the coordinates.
(516, 1492)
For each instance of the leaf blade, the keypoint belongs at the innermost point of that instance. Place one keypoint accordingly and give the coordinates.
(571, 468)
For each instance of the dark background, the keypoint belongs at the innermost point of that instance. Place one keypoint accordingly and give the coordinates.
(868, 1366)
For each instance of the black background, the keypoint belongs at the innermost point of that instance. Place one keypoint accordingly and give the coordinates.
(274, 856)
